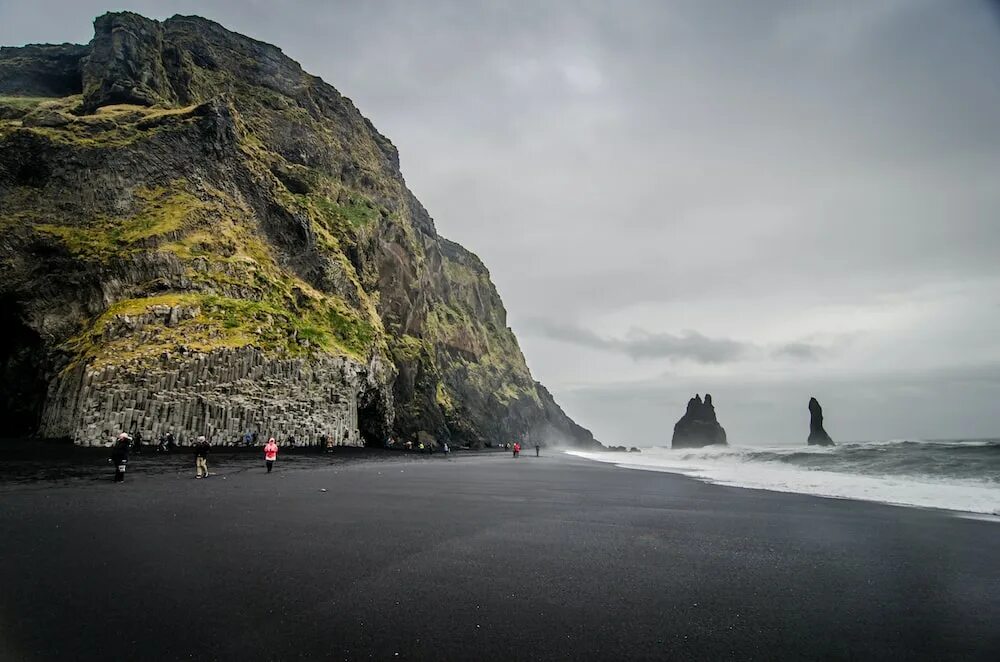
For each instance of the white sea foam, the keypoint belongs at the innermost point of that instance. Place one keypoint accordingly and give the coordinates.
(807, 470)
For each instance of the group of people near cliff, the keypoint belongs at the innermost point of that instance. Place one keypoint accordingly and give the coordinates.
(418, 445)
(125, 443)
(202, 448)
(517, 449)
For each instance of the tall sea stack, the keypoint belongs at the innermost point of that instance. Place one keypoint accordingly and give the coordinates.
(698, 426)
(198, 236)
(817, 435)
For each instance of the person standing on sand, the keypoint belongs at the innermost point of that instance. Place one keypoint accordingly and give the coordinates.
(270, 453)
(517, 448)
(538, 450)
(201, 457)
(119, 456)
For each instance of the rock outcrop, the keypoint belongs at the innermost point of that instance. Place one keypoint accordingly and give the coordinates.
(817, 435)
(196, 234)
(699, 426)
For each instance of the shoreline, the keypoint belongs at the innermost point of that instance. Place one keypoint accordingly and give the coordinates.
(979, 496)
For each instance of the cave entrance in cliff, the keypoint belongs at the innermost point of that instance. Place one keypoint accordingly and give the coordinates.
(371, 424)
(22, 372)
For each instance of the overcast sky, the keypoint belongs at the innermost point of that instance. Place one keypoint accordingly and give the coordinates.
(762, 200)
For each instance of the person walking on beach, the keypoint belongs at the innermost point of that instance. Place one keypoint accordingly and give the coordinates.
(119, 456)
(201, 457)
(517, 448)
(270, 453)
(538, 450)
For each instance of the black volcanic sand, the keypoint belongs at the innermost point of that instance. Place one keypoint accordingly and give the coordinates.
(479, 557)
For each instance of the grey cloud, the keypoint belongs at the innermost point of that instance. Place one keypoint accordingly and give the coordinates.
(639, 344)
(687, 345)
(800, 350)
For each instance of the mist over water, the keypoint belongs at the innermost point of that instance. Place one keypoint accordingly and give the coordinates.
(962, 475)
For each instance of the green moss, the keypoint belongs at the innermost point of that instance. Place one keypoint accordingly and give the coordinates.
(408, 347)
(357, 212)
(160, 212)
(22, 103)
(110, 127)
(443, 398)
(325, 326)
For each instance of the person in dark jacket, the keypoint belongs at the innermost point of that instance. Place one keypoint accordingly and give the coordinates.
(119, 456)
(201, 449)
(538, 450)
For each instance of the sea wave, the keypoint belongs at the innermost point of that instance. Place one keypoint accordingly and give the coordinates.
(962, 475)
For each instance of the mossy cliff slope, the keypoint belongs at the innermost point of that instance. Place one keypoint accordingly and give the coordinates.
(196, 234)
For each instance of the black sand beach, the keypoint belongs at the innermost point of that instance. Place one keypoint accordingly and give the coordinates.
(478, 557)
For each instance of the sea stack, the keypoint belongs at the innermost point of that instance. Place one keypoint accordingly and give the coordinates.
(698, 426)
(817, 435)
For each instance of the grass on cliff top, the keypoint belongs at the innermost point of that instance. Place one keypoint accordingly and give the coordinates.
(109, 127)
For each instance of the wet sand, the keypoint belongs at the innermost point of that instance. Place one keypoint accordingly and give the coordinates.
(477, 557)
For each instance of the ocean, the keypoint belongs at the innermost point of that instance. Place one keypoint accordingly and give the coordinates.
(961, 475)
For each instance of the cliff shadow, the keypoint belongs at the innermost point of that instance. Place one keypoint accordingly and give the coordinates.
(23, 384)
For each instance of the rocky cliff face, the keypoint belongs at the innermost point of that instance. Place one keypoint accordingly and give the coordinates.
(699, 426)
(817, 435)
(196, 234)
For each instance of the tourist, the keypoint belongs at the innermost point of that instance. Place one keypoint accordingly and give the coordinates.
(445, 449)
(270, 453)
(517, 448)
(137, 440)
(329, 443)
(119, 456)
(248, 439)
(255, 438)
(538, 450)
(171, 442)
(201, 457)
(291, 440)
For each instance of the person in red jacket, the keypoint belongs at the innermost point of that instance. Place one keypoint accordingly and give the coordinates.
(270, 453)
(517, 448)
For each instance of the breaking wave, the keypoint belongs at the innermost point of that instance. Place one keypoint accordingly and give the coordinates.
(961, 475)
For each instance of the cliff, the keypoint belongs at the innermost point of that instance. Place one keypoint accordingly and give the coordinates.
(699, 426)
(197, 234)
(817, 435)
